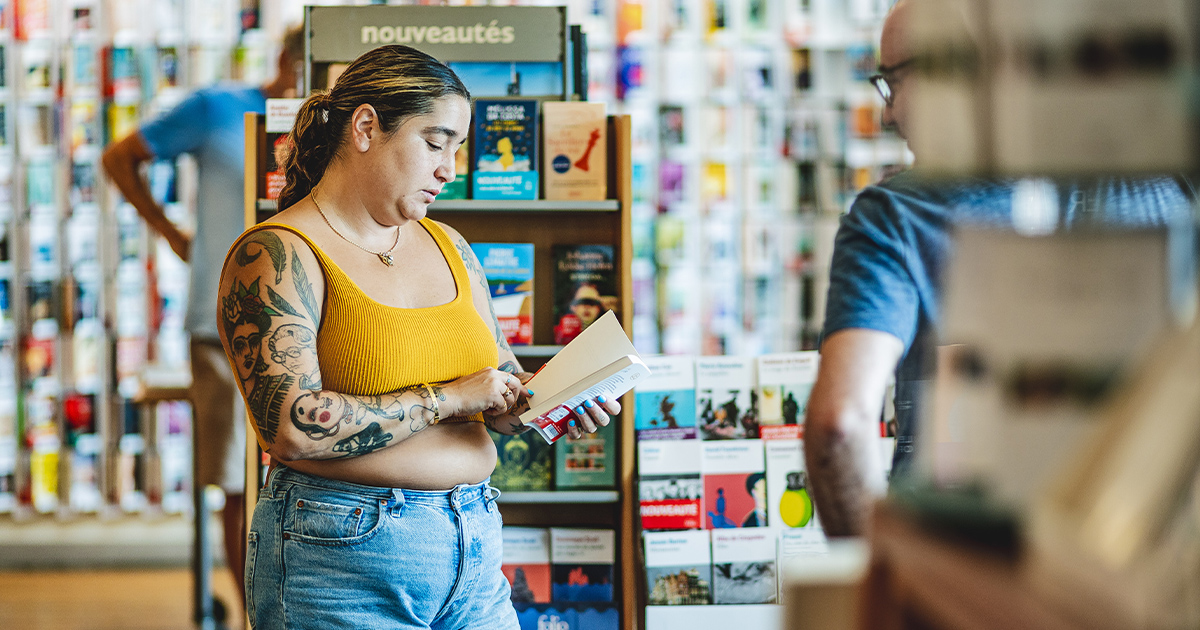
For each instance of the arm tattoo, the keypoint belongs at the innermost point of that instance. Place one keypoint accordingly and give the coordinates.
(265, 402)
(265, 241)
(421, 414)
(473, 266)
(368, 440)
(510, 366)
(304, 287)
(281, 304)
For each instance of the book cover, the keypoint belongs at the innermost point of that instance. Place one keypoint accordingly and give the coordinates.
(796, 546)
(526, 563)
(744, 569)
(589, 462)
(585, 287)
(505, 141)
(789, 504)
(725, 398)
(509, 271)
(678, 568)
(457, 189)
(581, 564)
(735, 487)
(670, 493)
(576, 164)
(665, 403)
(784, 382)
(601, 361)
(523, 462)
(568, 616)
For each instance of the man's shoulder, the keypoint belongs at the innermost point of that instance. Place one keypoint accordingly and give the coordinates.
(912, 191)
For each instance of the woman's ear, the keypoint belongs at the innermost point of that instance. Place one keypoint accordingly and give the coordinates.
(364, 127)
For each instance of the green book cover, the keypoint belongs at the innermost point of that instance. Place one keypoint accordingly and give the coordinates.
(589, 462)
(523, 462)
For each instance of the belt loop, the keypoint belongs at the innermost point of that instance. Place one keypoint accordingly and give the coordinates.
(397, 501)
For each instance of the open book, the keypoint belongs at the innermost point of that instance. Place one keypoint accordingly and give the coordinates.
(600, 361)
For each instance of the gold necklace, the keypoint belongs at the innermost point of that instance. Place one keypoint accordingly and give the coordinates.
(385, 256)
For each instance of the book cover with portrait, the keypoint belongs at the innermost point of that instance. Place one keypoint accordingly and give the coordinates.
(523, 462)
(665, 403)
(581, 564)
(505, 144)
(735, 487)
(585, 287)
(678, 568)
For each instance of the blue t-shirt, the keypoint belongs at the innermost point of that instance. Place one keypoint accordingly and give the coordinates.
(891, 251)
(209, 125)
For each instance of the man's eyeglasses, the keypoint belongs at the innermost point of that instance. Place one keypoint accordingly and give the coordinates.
(883, 80)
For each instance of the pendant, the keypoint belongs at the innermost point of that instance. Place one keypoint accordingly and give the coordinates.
(386, 257)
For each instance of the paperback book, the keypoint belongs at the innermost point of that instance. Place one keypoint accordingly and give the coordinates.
(576, 166)
(735, 487)
(509, 271)
(585, 287)
(568, 616)
(523, 462)
(744, 570)
(785, 381)
(600, 362)
(725, 398)
(670, 492)
(506, 142)
(526, 563)
(678, 568)
(589, 462)
(789, 504)
(581, 564)
(665, 403)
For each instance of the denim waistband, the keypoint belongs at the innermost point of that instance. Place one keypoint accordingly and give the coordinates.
(460, 495)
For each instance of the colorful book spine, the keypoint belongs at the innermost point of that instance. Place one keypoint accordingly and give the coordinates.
(785, 381)
(581, 564)
(576, 165)
(665, 404)
(670, 492)
(678, 568)
(509, 271)
(744, 569)
(526, 563)
(735, 487)
(789, 502)
(589, 462)
(506, 143)
(725, 398)
(585, 287)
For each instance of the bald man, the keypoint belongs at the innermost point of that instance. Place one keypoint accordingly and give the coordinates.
(885, 286)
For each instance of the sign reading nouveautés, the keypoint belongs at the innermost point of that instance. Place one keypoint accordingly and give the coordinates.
(448, 33)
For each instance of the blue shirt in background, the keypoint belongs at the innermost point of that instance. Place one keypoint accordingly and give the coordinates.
(209, 125)
(891, 251)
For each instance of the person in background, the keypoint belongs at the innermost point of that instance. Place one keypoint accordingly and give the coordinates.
(885, 286)
(377, 512)
(208, 124)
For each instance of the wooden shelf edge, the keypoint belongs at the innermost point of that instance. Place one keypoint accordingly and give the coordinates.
(533, 205)
(561, 496)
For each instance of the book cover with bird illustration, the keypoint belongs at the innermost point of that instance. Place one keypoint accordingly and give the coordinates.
(665, 403)
(576, 165)
(506, 144)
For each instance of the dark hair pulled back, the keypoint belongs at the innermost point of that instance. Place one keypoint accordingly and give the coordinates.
(398, 81)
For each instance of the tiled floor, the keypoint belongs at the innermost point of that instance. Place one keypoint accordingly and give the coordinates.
(130, 599)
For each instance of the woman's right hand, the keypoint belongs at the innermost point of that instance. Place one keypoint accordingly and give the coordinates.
(488, 391)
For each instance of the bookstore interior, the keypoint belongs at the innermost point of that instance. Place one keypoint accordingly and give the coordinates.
(699, 207)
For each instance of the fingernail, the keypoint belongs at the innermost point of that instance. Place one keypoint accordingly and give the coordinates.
(531, 393)
(601, 399)
(589, 404)
(579, 410)
(571, 423)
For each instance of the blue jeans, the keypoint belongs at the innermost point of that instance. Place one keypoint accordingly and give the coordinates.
(326, 554)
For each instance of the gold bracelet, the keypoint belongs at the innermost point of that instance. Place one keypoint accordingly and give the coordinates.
(437, 411)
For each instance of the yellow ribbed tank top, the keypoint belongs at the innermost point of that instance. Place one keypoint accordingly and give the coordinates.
(366, 348)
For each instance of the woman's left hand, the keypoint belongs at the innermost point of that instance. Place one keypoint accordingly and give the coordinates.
(592, 415)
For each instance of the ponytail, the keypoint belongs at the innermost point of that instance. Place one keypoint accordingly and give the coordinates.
(310, 149)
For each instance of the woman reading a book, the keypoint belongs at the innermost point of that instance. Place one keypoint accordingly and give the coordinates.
(373, 367)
